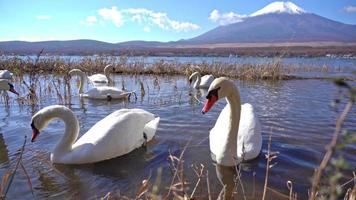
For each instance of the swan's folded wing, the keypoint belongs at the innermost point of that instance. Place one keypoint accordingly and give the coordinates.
(249, 140)
(117, 134)
(104, 92)
(206, 80)
(98, 78)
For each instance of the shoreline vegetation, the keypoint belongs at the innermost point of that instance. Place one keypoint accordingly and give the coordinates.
(286, 49)
(274, 70)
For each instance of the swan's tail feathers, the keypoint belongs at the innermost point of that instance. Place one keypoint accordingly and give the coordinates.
(151, 128)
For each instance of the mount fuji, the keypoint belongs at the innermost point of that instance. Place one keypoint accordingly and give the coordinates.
(279, 22)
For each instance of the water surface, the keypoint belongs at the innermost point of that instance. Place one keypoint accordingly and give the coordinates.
(296, 113)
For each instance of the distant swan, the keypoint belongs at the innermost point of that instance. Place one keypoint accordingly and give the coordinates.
(102, 92)
(5, 74)
(117, 134)
(233, 138)
(102, 78)
(201, 82)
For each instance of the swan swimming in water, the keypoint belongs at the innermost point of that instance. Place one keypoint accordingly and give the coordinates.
(201, 82)
(102, 92)
(115, 135)
(236, 136)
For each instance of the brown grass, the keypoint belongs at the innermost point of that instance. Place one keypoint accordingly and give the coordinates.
(274, 70)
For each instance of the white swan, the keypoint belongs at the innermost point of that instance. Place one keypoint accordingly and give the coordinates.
(5, 85)
(117, 134)
(233, 138)
(5, 74)
(102, 78)
(102, 92)
(201, 82)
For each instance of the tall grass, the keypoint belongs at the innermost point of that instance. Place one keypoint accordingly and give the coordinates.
(273, 70)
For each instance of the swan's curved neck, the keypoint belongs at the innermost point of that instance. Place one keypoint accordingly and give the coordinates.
(107, 72)
(81, 83)
(197, 80)
(234, 102)
(71, 128)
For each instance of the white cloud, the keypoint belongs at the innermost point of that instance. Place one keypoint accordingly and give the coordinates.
(89, 21)
(350, 9)
(140, 16)
(146, 29)
(112, 14)
(159, 19)
(225, 18)
(43, 17)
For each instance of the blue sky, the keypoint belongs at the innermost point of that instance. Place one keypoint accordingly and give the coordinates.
(151, 20)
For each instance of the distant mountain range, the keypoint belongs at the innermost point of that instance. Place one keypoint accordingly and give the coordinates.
(278, 22)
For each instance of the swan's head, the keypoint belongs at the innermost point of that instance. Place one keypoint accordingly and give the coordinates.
(191, 77)
(219, 88)
(42, 118)
(38, 123)
(6, 85)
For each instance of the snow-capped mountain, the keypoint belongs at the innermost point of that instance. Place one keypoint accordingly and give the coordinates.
(279, 22)
(279, 7)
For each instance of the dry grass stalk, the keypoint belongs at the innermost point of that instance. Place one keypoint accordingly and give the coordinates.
(329, 152)
(9, 175)
(269, 157)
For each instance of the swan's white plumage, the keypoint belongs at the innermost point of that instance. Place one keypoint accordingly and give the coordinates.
(201, 82)
(206, 80)
(98, 79)
(115, 135)
(249, 139)
(102, 92)
(249, 136)
(5, 74)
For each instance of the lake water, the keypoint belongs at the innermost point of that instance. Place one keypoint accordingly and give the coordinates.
(297, 113)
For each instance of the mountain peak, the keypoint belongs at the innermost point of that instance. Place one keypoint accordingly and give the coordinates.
(279, 7)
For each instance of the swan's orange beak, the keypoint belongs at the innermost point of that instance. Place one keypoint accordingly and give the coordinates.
(209, 104)
(35, 132)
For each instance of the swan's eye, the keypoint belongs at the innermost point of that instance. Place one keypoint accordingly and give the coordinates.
(213, 92)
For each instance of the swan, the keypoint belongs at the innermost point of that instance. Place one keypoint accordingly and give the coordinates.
(5, 74)
(201, 82)
(102, 92)
(232, 139)
(117, 134)
(5, 85)
(102, 78)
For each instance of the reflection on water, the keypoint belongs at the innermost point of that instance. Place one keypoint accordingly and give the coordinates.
(297, 113)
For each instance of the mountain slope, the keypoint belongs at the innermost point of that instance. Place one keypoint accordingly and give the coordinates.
(280, 22)
(280, 27)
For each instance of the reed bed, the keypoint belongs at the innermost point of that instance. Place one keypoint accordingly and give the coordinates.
(274, 70)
